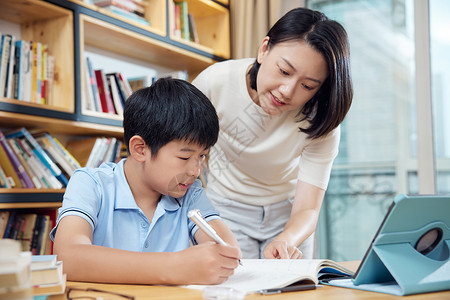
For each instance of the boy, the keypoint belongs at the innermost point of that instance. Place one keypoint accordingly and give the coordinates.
(127, 222)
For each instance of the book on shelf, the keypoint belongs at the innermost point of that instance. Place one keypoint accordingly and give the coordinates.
(176, 20)
(114, 92)
(92, 86)
(193, 29)
(81, 149)
(28, 230)
(39, 152)
(184, 19)
(92, 152)
(3, 179)
(103, 90)
(4, 217)
(23, 158)
(32, 230)
(11, 175)
(23, 176)
(5, 48)
(26, 70)
(10, 69)
(256, 275)
(22, 80)
(36, 51)
(47, 179)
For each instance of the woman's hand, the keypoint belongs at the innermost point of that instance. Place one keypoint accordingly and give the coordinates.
(281, 249)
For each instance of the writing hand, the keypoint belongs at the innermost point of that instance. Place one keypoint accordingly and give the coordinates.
(208, 263)
(282, 250)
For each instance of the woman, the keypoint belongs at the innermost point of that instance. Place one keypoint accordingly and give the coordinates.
(279, 119)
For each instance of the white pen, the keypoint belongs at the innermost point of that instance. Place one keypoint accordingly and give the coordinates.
(196, 217)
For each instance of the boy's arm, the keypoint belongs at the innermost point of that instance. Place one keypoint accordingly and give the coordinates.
(208, 263)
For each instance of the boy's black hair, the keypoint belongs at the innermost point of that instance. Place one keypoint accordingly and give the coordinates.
(170, 109)
(329, 106)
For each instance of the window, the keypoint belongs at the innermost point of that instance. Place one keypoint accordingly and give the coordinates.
(378, 156)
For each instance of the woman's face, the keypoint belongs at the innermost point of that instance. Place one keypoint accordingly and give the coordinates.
(291, 73)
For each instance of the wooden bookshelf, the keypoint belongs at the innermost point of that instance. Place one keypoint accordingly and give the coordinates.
(68, 27)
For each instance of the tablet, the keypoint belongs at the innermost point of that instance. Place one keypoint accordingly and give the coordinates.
(409, 253)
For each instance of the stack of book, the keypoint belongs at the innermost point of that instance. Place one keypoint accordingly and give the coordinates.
(15, 271)
(47, 277)
(130, 9)
(30, 229)
(34, 161)
(26, 70)
(105, 92)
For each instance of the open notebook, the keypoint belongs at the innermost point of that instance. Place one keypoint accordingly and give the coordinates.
(260, 274)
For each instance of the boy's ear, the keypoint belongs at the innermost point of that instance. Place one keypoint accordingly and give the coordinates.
(263, 49)
(138, 148)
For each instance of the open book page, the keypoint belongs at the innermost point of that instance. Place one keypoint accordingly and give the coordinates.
(258, 274)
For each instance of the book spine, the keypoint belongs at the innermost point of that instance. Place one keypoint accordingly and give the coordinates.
(6, 46)
(117, 101)
(23, 160)
(9, 76)
(94, 85)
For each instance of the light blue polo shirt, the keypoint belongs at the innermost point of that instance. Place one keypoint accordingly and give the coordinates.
(103, 198)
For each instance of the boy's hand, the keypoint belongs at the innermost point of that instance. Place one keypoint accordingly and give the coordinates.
(281, 249)
(207, 263)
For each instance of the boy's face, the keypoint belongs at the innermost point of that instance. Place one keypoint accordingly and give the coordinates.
(175, 167)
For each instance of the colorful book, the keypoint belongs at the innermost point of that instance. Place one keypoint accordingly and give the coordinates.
(40, 153)
(22, 87)
(22, 156)
(103, 90)
(114, 91)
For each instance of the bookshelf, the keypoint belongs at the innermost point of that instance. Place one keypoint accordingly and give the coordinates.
(69, 27)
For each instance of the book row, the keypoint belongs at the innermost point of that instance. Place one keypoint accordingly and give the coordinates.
(92, 152)
(39, 160)
(107, 92)
(183, 24)
(30, 229)
(36, 160)
(26, 70)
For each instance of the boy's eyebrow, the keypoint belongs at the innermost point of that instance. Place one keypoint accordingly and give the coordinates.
(292, 67)
(187, 149)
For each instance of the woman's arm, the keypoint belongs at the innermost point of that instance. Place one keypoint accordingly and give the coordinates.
(302, 222)
(208, 263)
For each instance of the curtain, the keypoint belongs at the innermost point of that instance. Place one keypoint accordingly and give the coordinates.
(251, 20)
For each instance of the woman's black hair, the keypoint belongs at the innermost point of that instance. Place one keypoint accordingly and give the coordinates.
(329, 106)
(170, 109)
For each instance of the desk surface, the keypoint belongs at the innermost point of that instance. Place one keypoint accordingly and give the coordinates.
(143, 292)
